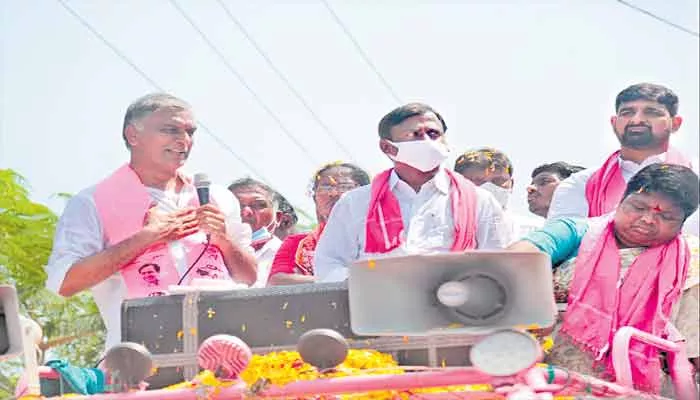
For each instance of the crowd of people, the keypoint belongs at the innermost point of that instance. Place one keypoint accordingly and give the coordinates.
(622, 236)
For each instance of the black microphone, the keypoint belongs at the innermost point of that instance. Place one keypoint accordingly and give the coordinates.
(201, 183)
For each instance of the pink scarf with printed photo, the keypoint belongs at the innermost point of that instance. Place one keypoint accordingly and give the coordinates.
(122, 204)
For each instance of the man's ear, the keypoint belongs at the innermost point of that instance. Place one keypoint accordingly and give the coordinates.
(387, 147)
(676, 123)
(131, 134)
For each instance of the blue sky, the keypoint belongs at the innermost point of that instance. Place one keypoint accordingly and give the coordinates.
(536, 79)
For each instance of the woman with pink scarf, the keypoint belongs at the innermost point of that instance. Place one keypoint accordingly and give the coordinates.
(293, 262)
(632, 267)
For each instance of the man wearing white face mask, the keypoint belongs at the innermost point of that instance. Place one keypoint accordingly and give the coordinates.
(418, 206)
(259, 205)
(492, 170)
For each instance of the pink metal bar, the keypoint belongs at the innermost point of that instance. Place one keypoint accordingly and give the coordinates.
(681, 369)
(362, 384)
(359, 384)
(351, 384)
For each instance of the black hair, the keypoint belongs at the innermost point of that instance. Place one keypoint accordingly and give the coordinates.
(677, 183)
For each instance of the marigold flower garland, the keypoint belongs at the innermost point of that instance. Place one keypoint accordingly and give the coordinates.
(282, 368)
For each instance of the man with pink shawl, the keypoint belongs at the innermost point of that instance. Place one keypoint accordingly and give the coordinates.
(646, 115)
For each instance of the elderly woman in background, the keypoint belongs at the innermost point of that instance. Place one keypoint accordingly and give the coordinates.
(632, 267)
(294, 260)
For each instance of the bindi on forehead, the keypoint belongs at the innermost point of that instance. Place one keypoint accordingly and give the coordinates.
(654, 202)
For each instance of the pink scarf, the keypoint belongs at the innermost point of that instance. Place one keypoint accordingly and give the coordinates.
(122, 204)
(385, 225)
(606, 186)
(598, 306)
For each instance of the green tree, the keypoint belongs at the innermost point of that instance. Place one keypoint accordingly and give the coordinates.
(73, 329)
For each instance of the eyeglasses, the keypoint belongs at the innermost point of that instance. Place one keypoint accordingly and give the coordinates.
(337, 188)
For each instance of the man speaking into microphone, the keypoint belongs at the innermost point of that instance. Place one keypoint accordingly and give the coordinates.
(149, 212)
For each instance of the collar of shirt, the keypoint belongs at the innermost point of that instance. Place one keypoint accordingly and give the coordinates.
(631, 166)
(440, 181)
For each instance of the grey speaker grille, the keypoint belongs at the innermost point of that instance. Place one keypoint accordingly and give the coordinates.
(488, 299)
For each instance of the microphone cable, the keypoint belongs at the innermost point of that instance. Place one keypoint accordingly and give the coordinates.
(195, 261)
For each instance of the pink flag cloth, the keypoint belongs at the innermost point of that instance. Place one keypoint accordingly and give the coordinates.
(122, 205)
(384, 224)
(601, 300)
(604, 189)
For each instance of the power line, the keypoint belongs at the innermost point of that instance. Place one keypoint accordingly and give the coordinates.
(658, 18)
(244, 82)
(284, 79)
(361, 52)
(153, 83)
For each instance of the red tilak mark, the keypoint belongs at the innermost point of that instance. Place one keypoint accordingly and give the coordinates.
(657, 208)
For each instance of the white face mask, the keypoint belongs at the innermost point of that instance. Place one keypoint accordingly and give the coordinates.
(423, 155)
(502, 195)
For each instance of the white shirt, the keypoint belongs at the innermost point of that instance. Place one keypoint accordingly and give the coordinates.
(427, 219)
(521, 225)
(79, 234)
(264, 257)
(569, 199)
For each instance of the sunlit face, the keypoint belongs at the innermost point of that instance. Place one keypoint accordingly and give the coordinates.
(331, 184)
(498, 176)
(647, 219)
(540, 192)
(644, 124)
(418, 127)
(162, 139)
(149, 274)
(256, 207)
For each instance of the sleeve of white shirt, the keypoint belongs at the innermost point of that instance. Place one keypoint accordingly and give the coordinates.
(337, 246)
(692, 223)
(569, 199)
(228, 204)
(494, 230)
(78, 235)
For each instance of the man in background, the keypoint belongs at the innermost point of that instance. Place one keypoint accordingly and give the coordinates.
(259, 207)
(545, 179)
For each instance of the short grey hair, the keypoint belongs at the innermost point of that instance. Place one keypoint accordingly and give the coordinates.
(148, 104)
(248, 182)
